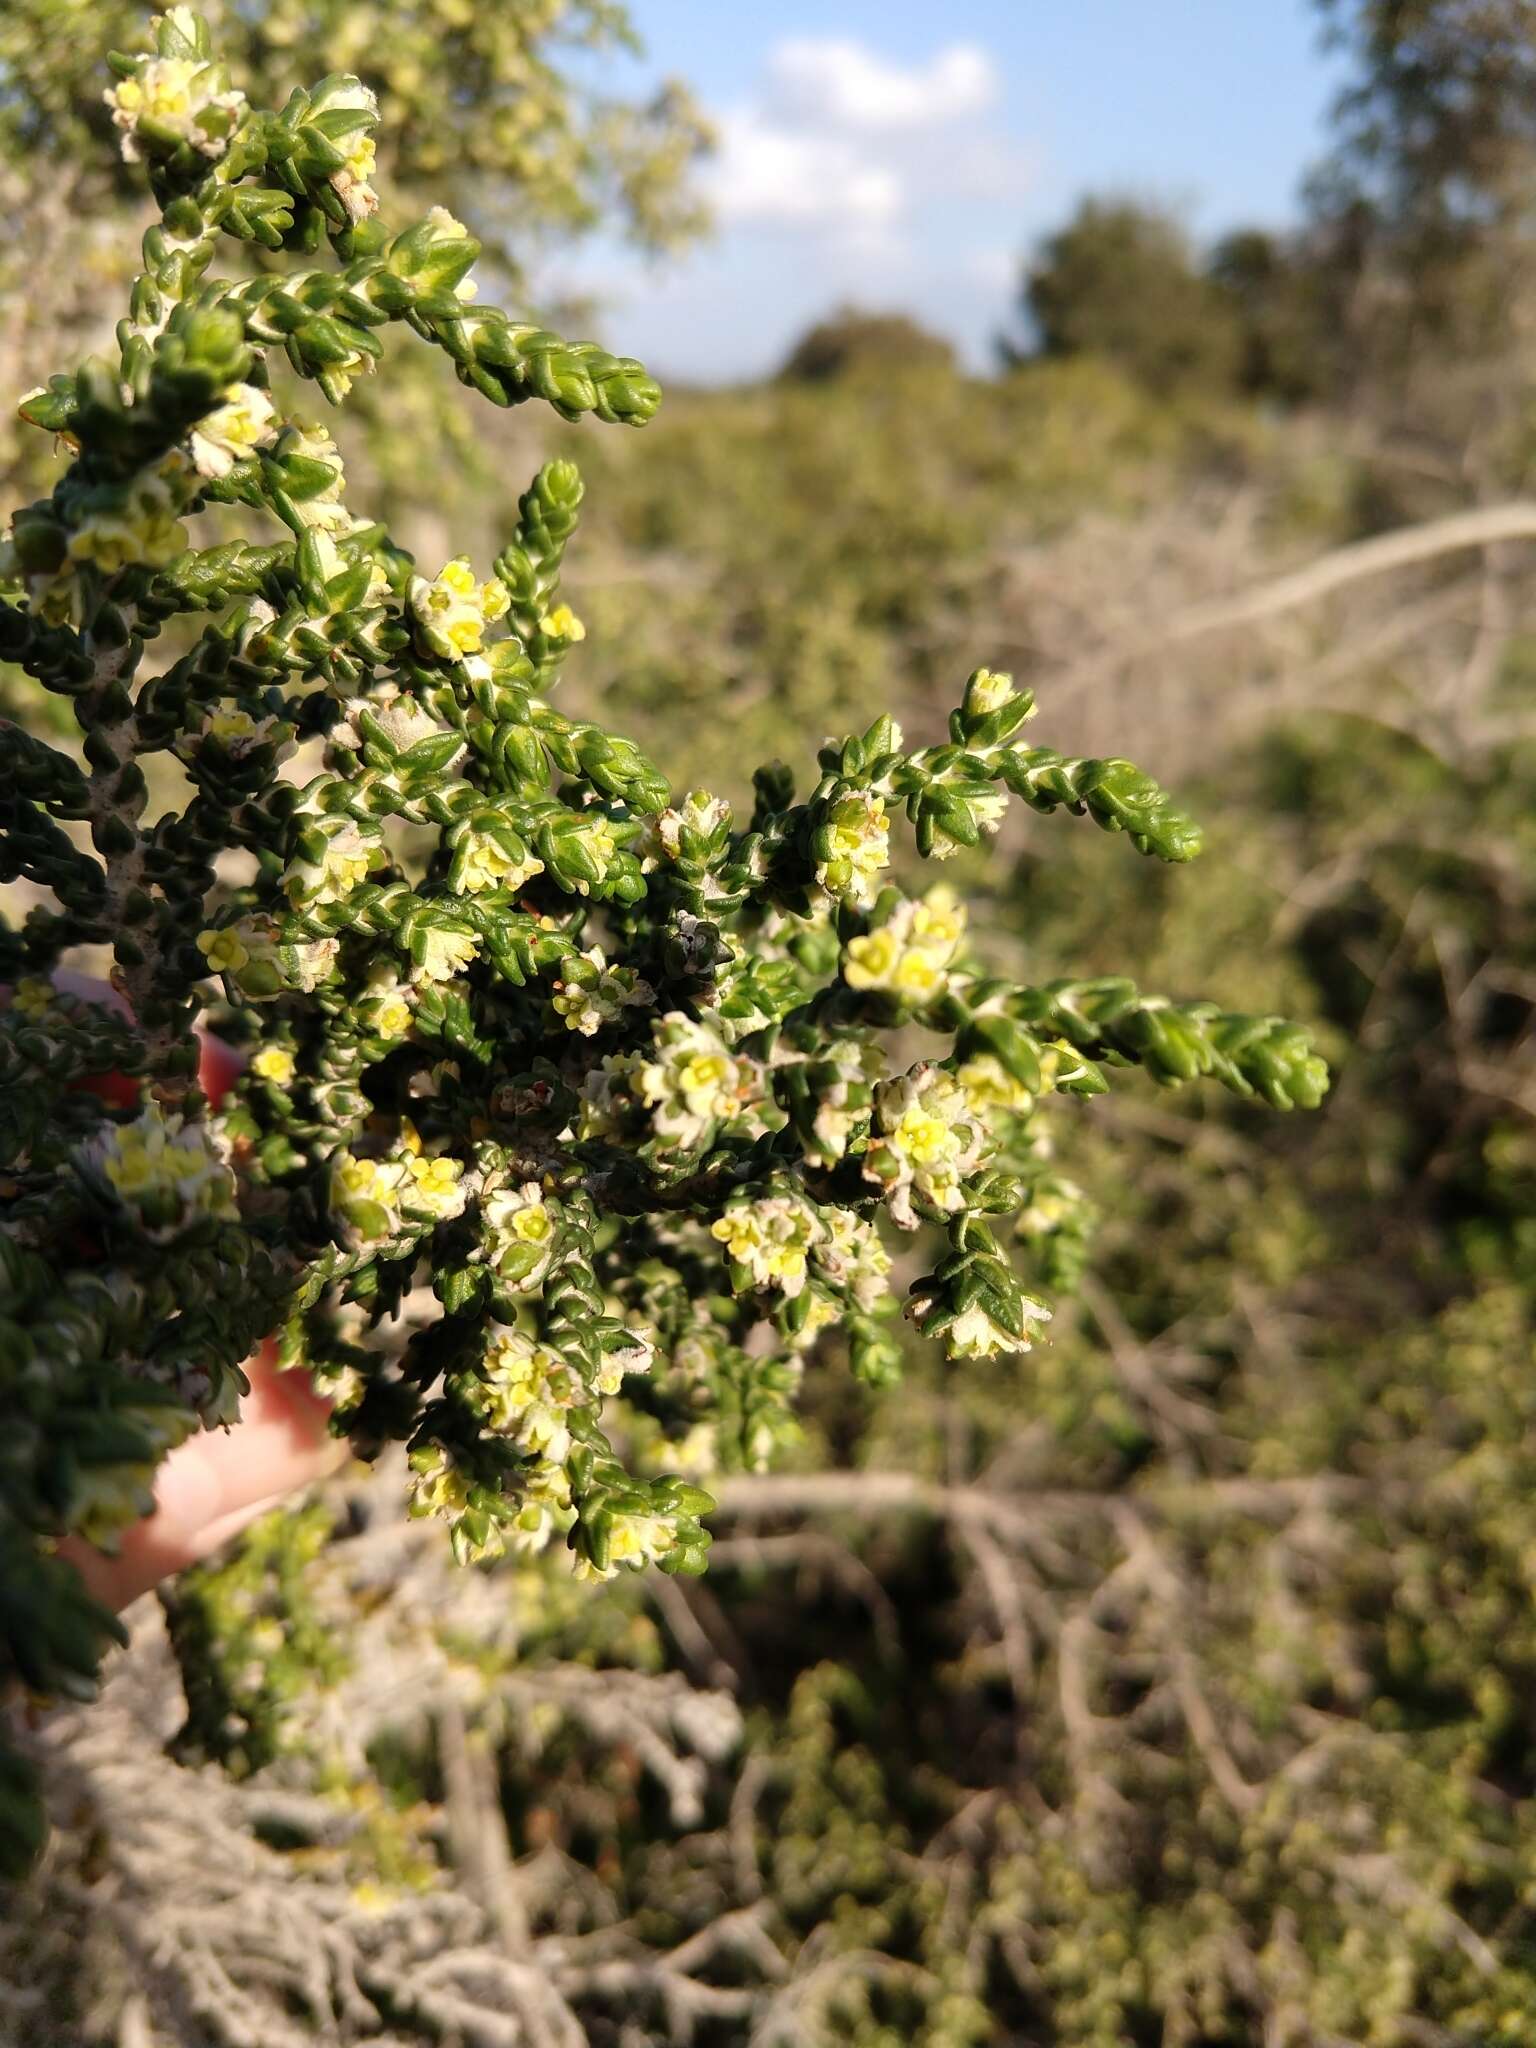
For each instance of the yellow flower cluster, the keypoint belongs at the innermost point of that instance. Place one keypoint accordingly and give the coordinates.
(486, 864)
(257, 966)
(233, 431)
(780, 1242)
(143, 528)
(634, 1541)
(384, 1008)
(989, 1087)
(587, 1004)
(344, 864)
(858, 848)
(518, 1233)
(843, 1104)
(693, 1083)
(224, 948)
(436, 1485)
(170, 1173)
(525, 1392)
(373, 1197)
(562, 624)
(350, 182)
(909, 955)
(453, 611)
(137, 525)
(32, 997)
(771, 1240)
(600, 844)
(181, 97)
(444, 954)
(324, 512)
(926, 1139)
(274, 1063)
(238, 732)
(449, 229)
(851, 1253)
(976, 1334)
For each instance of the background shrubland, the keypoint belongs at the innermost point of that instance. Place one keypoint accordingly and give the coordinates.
(1176, 1683)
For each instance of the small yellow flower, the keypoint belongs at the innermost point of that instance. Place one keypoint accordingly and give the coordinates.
(393, 1018)
(562, 624)
(938, 922)
(989, 690)
(923, 1138)
(989, 1085)
(735, 1230)
(917, 975)
(134, 1169)
(445, 954)
(222, 950)
(707, 1073)
(455, 609)
(872, 959)
(274, 1063)
(459, 578)
(435, 1176)
(233, 430)
(580, 1008)
(230, 726)
(600, 841)
(357, 1176)
(32, 996)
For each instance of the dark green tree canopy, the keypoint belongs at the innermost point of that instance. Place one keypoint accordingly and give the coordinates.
(489, 110)
(1427, 197)
(1121, 280)
(854, 341)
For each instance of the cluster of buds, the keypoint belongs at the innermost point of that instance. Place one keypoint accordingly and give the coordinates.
(453, 611)
(160, 1174)
(692, 1086)
(925, 1143)
(908, 953)
(621, 1081)
(374, 1198)
(176, 99)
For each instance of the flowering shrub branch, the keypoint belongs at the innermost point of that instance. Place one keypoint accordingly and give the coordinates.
(624, 1077)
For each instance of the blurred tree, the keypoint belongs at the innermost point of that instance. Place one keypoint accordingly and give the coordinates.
(852, 341)
(1280, 294)
(488, 110)
(492, 111)
(1121, 281)
(1428, 198)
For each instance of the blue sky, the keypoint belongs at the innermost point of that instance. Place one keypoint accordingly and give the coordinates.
(904, 155)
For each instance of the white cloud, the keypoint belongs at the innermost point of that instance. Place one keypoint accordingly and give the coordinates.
(838, 140)
(841, 175)
(844, 84)
(779, 176)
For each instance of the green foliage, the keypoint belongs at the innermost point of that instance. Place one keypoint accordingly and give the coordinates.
(1421, 211)
(1121, 281)
(249, 1640)
(851, 342)
(480, 109)
(1286, 313)
(631, 1086)
(821, 546)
